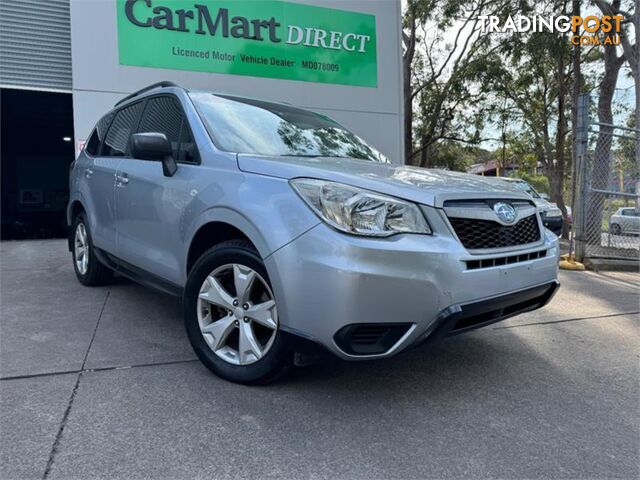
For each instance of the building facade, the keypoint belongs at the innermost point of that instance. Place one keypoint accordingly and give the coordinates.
(64, 63)
(112, 40)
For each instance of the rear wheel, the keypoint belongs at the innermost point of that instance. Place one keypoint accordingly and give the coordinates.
(615, 229)
(231, 315)
(89, 270)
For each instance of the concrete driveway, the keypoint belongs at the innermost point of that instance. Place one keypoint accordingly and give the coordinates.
(102, 383)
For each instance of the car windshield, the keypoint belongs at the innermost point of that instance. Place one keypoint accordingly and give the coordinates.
(525, 187)
(243, 125)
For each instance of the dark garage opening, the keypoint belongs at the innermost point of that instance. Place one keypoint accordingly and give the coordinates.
(36, 150)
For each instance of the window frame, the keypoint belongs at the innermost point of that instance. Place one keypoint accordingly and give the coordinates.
(94, 131)
(86, 145)
(185, 122)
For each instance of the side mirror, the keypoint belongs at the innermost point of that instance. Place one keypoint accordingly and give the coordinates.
(156, 147)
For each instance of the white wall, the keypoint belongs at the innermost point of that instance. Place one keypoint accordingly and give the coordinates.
(373, 113)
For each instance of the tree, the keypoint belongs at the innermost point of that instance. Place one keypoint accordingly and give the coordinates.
(630, 52)
(535, 73)
(461, 83)
(409, 40)
(606, 90)
(444, 78)
(576, 91)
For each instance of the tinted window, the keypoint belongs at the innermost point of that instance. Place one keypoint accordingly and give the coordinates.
(629, 212)
(188, 149)
(93, 145)
(162, 115)
(117, 139)
(251, 126)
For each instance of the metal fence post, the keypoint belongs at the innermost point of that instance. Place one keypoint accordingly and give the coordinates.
(579, 200)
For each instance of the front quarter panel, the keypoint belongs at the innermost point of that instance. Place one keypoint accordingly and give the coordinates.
(265, 209)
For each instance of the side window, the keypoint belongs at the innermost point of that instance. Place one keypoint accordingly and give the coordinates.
(97, 137)
(117, 139)
(164, 115)
(93, 143)
(188, 150)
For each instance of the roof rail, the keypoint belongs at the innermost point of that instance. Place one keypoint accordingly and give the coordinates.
(146, 89)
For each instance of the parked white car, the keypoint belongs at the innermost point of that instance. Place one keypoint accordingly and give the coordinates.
(625, 220)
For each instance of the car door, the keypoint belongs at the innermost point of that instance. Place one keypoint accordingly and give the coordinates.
(150, 205)
(97, 187)
(631, 220)
(102, 173)
(636, 220)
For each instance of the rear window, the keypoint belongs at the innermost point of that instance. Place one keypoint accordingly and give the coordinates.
(97, 137)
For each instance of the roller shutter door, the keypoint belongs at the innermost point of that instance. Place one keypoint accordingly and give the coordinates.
(35, 44)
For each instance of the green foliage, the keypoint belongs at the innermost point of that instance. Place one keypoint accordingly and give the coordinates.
(454, 156)
(624, 151)
(453, 70)
(539, 182)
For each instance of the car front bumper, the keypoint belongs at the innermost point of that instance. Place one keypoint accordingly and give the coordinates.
(326, 282)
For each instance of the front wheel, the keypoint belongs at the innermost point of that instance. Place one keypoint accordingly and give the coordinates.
(89, 270)
(231, 316)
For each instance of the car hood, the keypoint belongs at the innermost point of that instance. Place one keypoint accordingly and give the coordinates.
(421, 185)
(543, 205)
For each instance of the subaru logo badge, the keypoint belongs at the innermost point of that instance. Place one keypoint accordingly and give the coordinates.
(505, 212)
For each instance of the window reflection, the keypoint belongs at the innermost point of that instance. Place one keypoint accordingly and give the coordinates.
(252, 126)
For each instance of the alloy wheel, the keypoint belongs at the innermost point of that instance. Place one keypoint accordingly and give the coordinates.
(237, 314)
(81, 249)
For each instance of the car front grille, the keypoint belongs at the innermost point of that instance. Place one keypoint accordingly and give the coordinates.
(480, 234)
(499, 261)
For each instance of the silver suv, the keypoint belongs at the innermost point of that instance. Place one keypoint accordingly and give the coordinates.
(285, 234)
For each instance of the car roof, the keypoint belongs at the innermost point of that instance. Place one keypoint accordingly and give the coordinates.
(170, 87)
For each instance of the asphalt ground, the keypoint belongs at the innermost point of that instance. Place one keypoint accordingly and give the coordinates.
(102, 383)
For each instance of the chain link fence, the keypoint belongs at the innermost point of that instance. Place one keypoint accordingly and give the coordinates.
(607, 200)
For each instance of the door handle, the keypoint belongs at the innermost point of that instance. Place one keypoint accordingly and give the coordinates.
(121, 179)
(88, 172)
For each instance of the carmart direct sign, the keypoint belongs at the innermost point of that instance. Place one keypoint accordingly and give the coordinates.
(258, 38)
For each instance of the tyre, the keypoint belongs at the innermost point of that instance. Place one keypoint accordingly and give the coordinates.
(231, 316)
(615, 229)
(89, 270)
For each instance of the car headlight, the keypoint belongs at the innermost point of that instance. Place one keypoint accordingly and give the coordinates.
(553, 212)
(360, 212)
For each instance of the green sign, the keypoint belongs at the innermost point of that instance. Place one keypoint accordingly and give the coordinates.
(247, 37)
